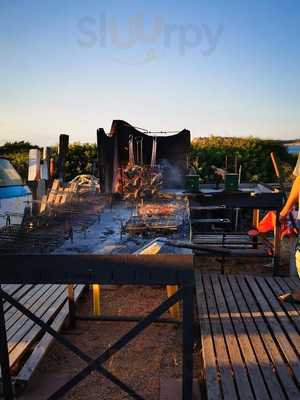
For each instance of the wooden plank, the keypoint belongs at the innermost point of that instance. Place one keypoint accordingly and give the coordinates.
(290, 333)
(43, 345)
(279, 287)
(12, 314)
(237, 362)
(59, 196)
(16, 321)
(53, 191)
(283, 283)
(295, 281)
(253, 368)
(43, 205)
(270, 344)
(17, 295)
(208, 352)
(293, 284)
(273, 336)
(11, 289)
(17, 335)
(15, 290)
(40, 305)
(288, 284)
(226, 373)
(45, 313)
(262, 357)
(40, 302)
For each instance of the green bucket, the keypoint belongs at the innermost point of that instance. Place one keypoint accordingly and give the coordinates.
(231, 182)
(192, 183)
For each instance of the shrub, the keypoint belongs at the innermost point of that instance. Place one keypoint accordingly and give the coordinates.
(253, 154)
(80, 157)
(17, 153)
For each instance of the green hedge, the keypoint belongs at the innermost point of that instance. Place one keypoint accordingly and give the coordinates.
(80, 157)
(253, 154)
(17, 152)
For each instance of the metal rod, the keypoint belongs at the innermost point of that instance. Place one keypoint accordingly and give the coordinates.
(188, 343)
(61, 339)
(188, 245)
(4, 356)
(162, 308)
(126, 318)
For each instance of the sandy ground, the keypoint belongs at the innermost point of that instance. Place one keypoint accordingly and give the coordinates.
(152, 356)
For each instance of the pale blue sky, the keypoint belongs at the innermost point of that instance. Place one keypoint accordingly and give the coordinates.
(215, 67)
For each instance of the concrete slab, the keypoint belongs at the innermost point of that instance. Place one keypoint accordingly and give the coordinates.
(170, 389)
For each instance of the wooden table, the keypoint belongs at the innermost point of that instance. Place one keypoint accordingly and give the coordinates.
(250, 341)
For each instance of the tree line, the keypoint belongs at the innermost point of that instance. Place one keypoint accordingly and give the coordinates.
(81, 157)
(252, 153)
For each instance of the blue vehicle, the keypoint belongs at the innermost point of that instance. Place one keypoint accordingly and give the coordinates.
(15, 197)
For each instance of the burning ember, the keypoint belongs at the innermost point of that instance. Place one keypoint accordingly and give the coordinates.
(156, 209)
(156, 217)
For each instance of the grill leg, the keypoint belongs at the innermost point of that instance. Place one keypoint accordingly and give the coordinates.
(188, 343)
(4, 357)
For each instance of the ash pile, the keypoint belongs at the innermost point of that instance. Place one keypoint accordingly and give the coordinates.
(65, 209)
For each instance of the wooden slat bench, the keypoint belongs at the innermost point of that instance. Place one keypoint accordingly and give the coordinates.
(26, 341)
(250, 340)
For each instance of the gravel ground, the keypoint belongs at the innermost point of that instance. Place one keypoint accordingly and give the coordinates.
(153, 355)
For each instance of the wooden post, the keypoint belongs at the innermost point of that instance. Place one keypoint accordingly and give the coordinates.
(255, 222)
(255, 218)
(62, 153)
(153, 249)
(51, 170)
(174, 310)
(96, 288)
(100, 135)
(275, 165)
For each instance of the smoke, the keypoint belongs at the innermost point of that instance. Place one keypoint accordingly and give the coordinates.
(172, 175)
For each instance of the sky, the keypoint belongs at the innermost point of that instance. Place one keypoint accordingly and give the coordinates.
(221, 67)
